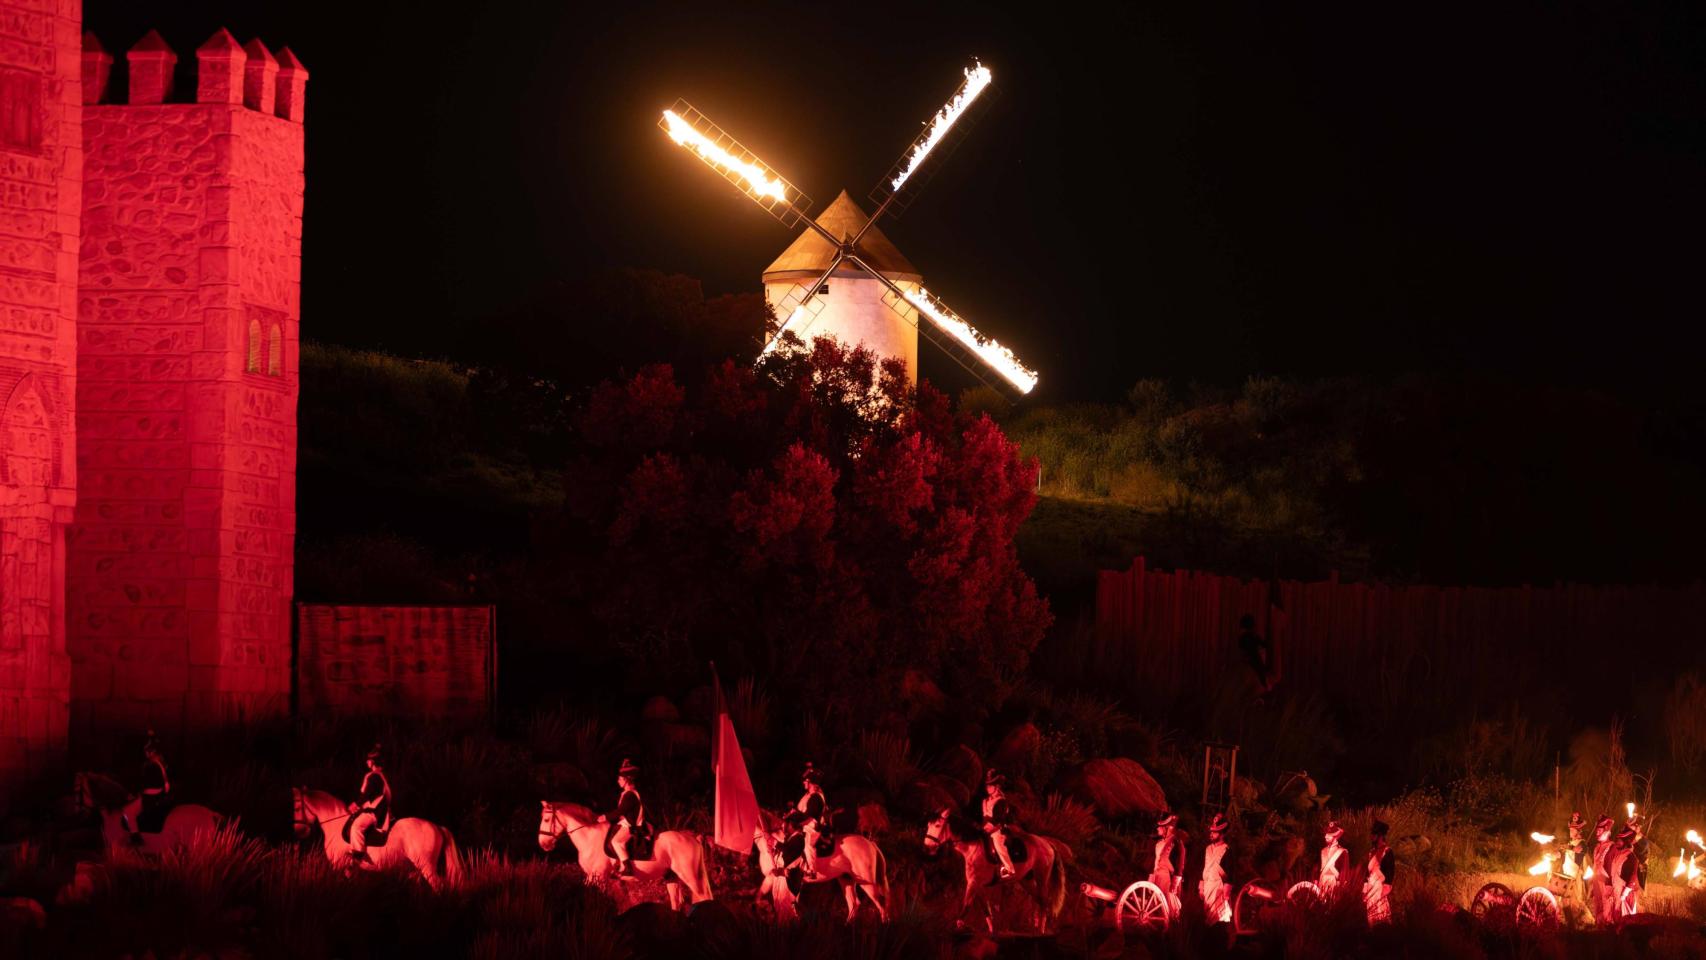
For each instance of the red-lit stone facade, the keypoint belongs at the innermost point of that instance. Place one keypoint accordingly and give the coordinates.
(149, 293)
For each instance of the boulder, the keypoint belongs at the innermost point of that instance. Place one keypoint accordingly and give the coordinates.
(1018, 748)
(660, 709)
(1116, 787)
(963, 764)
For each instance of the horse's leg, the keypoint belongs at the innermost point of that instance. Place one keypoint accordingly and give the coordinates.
(675, 895)
(876, 901)
(850, 890)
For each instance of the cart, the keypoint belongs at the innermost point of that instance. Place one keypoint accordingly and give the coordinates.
(1140, 907)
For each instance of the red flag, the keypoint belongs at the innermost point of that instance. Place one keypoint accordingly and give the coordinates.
(736, 810)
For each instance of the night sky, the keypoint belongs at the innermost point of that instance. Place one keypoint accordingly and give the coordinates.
(1157, 192)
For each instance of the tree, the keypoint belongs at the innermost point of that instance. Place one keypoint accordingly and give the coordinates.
(815, 522)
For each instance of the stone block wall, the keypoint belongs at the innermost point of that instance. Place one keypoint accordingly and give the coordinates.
(41, 170)
(402, 661)
(179, 579)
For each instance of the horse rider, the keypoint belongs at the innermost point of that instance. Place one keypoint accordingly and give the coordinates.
(1169, 867)
(372, 806)
(630, 815)
(998, 815)
(1599, 885)
(1335, 859)
(808, 818)
(1377, 885)
(156, 788)
(1212, 887)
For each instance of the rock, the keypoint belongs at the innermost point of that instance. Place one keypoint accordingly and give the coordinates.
(963, 764)
(659, 709)
(1116, 787)
(1018, 748)
(873, 819)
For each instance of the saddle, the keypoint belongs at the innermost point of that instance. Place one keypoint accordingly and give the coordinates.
(794, 847)
(152, 817)
(1017, 849)
(640, 842)
(375, 835)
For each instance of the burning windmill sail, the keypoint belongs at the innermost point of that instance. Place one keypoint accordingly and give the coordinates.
(878, 298)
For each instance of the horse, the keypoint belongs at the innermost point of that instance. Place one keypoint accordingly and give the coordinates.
(184, 823)
(1041, 865)
(411, 842)
(678, 858)
(856, 862)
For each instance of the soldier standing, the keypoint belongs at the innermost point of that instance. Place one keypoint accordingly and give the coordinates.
(1169, 867)
(1335, 859)
(1377, 885)
(1599, 885)
(1216, 904)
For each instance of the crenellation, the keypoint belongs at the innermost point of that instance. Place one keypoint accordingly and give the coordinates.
(151, 63)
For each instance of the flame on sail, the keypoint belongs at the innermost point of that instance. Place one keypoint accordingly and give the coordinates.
(997, 357)
(758, 180)
(978, 79)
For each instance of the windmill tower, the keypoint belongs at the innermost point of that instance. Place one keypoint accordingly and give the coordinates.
(853, 307)
(870, 277)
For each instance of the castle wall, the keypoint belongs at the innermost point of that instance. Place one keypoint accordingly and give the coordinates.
(41, 172)
(179, 579)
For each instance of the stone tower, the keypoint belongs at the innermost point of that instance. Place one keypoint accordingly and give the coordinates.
(41, 172)
(180, 558)
(853, 308)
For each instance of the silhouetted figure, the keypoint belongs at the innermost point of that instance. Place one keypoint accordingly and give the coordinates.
(1258, 652)
(630, 816)
(1377, 882)
(372, 808)
(156, 788)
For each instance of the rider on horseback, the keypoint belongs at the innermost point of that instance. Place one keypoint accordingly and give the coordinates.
(998, 815)
(156, 786)
(373, 804)
(809, 817)
(630, 815)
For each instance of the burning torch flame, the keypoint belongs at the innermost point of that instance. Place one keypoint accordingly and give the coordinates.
(998, 357)
(1542, 868)
(1630, 806)
(755, 176)
(1694, 838)
(978, 77)
(1539, 837)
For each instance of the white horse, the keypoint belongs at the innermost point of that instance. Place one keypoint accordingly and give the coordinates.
(678, 858)
(1041, 865)
(411, 842)
(856, 862)
(183, 825)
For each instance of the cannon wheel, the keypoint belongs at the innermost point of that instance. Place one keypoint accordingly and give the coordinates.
(1142, 907)
(1538, 910)
(1491, 900)
(1305, 895)
(1247, 908)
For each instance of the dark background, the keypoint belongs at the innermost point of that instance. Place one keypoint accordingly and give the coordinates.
(1511, 190)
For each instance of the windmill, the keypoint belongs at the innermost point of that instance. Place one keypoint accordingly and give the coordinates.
(842, 242)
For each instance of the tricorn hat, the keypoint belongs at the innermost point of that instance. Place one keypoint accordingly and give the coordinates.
(1218, 824)
(376, 753)
(1170, 820)
(627, 769)
(994, 778)
(811, 774)
(1625, 835)
(1378, 828)
(1605, 823)
(1577, 821)
(1333, 831)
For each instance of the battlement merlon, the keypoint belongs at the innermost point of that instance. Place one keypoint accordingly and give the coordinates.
(245, 75)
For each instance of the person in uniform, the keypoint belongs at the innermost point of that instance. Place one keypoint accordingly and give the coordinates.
(1575, 849)
(156, 788)
(1599, 885)
(372, 807)
(630, 815)
(1335, 859)
(1169, 867)
(1212, 888)
(1377, 885)
(1624, 867)
(998, 815)
(809, 817)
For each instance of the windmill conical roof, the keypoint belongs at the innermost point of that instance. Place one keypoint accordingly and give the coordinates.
(810, 254)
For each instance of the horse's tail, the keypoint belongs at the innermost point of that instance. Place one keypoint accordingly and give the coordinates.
(452, 858)
(1054, 885)
(704, 870)
(880, 875)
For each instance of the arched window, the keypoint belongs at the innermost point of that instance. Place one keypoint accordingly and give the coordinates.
(275, 351)
(254, 364)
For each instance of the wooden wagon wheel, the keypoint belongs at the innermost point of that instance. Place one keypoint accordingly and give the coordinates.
(1305, 895)
(1142, 907)
(1538, 910)
(1492, 900)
